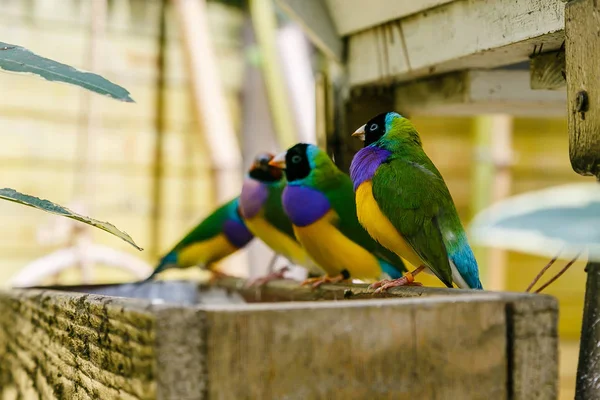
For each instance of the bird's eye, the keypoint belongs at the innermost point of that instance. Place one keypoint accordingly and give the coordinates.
(296, 159)
(373, 127)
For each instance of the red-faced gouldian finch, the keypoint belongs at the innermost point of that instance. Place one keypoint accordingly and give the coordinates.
(319, 201)
(222, 233)
(260, 205)
(404, 204)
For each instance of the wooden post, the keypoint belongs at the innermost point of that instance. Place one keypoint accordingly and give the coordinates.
(582, 46)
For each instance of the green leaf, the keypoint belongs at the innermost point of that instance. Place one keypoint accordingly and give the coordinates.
(48, 206)
(20, 60)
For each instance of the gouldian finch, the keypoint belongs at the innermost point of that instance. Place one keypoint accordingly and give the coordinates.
(222, 233)
(404, 204)
(260, 205)
(319, 201)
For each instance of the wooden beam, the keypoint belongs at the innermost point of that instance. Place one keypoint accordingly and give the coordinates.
(351, 16)
(548, 70)
(457, 35)
(582, 49)
(478, 92)
(314, 17)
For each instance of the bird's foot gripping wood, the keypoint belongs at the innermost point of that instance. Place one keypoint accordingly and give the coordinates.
(316, 282)
(273, 276)
(407, 280)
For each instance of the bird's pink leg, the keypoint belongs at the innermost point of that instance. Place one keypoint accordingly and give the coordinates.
(316, 282)
(273, 276)
(407, 280)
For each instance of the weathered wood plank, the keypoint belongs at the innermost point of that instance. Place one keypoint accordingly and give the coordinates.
(315, 19)
(88, 346)
(458, 35)
(71, 346)
(351, 16)
(582, 47)
(64, 346)
(477, 92)
(548, 70)
(533, 349)
(334, 357)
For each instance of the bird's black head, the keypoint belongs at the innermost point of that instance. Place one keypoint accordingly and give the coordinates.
(262, 171)
(375, 128)
(296, 162)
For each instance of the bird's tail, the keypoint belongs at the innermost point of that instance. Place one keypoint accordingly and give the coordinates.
(465, 272)
(168, 261)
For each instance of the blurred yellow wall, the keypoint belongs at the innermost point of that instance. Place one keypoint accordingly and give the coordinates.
(40, 125)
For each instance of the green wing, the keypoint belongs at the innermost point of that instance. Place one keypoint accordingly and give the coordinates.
(409, 195)
(210, 226)
(342, 199)
(274, 213)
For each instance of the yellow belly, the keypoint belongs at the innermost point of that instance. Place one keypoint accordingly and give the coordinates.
(334, 252)
(205, 252)
(280, 243)
(379, 227)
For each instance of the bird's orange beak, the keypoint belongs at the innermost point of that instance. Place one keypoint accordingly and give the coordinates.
(360, 133)
(278, 161)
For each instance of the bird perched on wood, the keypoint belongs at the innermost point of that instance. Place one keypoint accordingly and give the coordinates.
(404, 204)
(260, 205)
(319, 201)
(222, 233)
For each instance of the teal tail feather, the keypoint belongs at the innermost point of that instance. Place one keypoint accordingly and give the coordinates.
(168, 261)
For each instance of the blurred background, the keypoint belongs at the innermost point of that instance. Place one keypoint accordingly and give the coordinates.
(214, 83)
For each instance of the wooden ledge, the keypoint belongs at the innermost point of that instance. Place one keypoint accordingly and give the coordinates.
(414, 340)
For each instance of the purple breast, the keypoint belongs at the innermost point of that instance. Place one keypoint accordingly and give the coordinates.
(254, 194)
(365, 163)
(237, 233)
(304, 205)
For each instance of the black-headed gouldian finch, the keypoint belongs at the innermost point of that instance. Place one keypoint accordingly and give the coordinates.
(260, 205)
(404, 204)
(222, 233)
(319, 201)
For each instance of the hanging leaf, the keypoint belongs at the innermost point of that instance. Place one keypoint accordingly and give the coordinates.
(48, 206)
(20, 60)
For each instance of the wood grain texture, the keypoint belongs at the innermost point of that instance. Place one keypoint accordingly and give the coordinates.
(533, 349)
(351, 16)
(458, 35)
(69, 345)
(476, 92)
(582, 46)
(76, 346)
(548, 70)
(317, 350)
(82, 346)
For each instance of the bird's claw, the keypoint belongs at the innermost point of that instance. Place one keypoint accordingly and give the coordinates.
(316, 282)
(407, 280)
(273, 276)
